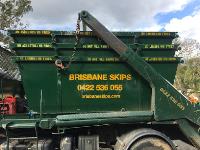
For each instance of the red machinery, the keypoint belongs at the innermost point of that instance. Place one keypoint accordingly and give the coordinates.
(8, 105)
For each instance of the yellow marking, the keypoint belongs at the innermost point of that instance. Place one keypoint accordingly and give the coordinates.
(34, 45)
(158, 46)
(97, 46)
(101, 96)
(33, 32)
(94, 59)
(103, 59)
(172, 98)
(155, 34)
(120, 77)
(116, 87)
(102, 87)
(92, 87)
(160, 59)
(103, 77)
(88, 77)
(86, 33)
(85, 87)
(30, 58)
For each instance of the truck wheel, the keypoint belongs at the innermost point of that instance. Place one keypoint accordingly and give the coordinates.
(144, 139)
(150, 143)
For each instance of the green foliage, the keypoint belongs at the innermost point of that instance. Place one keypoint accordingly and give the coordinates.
(188, 76)
(11, 13)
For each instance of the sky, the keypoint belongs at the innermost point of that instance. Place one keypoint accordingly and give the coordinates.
(182, 16)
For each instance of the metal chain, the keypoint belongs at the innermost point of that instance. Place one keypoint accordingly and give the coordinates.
(77, 32)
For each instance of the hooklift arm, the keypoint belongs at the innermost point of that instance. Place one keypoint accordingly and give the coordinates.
(167, 102)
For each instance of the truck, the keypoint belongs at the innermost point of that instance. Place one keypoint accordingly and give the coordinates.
(99, 90)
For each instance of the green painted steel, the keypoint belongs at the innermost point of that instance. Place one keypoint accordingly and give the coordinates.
(191, 131)
(103, 118)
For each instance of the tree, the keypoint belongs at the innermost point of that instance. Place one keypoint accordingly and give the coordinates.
(11, 13)
(187, 78)
(187, 48)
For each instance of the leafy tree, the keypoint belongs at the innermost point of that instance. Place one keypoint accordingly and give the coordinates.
(188, 76)
(11, 13)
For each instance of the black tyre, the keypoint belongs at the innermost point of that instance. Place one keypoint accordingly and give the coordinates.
(150, 143)
(144, 139)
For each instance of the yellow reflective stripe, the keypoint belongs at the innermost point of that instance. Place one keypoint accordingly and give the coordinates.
(160, 59)
(155, 34)
(31, 58)
(95, 46)
(155, 46)
(34, 45)
(33, 32)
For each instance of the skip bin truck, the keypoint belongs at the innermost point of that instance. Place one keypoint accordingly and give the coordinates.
(99, 90)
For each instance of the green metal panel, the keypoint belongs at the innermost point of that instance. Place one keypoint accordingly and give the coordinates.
(131, 97)
(45, 80)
